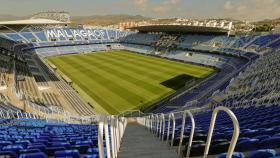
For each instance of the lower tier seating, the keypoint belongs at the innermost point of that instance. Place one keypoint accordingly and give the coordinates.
(38, 138)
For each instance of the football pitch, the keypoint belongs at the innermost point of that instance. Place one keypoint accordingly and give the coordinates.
(117, 81)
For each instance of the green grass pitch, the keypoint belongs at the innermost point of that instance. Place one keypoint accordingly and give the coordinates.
(118, 81)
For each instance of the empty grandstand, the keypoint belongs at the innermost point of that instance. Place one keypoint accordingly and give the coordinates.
(158, 91)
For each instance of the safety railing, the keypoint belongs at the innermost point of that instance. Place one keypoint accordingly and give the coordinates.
(235, 135)
(171, 117)
(185, 113)
(10, 114)
(112, 129)
(155, 123)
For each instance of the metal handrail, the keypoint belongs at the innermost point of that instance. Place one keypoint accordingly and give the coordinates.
(163, 127)
(1, 114)
(157, 124)
(171, 116)
(113, 136)
(185, 113)
(100, 137)
(106, 129)
(236, 131)
(117, 128)
(151, 122)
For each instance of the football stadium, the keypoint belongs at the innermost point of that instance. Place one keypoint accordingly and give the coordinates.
(190, 88)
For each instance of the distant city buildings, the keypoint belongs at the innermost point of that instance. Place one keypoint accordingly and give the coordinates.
(235, 26)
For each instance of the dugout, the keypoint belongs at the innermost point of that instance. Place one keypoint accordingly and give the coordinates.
(109, 47)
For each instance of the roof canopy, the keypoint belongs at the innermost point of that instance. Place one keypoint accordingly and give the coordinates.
(182, 29)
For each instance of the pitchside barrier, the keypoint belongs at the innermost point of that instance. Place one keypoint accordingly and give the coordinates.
(156, 124)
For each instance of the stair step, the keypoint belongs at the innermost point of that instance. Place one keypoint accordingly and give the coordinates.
(138, 142)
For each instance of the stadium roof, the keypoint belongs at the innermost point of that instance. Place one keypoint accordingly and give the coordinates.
(31, 22)
(182, 29)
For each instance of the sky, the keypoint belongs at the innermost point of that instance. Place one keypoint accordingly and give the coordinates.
(251, 10)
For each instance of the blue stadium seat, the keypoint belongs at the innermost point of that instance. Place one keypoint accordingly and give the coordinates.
(39, 146)
(235, 155)
(34, 155)
(81, 148)
(14, 148)
(247, 145)
(65, 153)
(92, 151)
(25, 151)
(272, 143)
(10, 154)
(51, 150)
(91, 156)
(266, 153)
(61, 144)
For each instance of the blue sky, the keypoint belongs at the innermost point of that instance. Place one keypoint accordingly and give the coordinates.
(240, 9)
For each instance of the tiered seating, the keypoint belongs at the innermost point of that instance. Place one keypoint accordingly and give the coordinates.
(188, 41)
(242, 41)
(38, 138)
(199, 58)
(7, 106)
(258, 84)
(40, 80)
(138, 48)
(263, 40)
(26, 84)
(166, 41)
(274, 45)
(51, 99)
(219, 42)
(67, 92)
(5, 66)
(234, 52)
(141, 38)
(65, 50)
(254, 99)
(259, 129)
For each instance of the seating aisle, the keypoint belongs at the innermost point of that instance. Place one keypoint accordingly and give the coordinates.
(139, 143)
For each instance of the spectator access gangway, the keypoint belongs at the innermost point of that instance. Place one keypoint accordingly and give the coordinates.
(150, 134)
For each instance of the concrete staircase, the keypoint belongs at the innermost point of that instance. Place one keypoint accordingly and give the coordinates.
(138, 142)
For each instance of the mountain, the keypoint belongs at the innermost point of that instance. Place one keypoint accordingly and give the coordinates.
(102, 20)
(269, 21)
(105, 20)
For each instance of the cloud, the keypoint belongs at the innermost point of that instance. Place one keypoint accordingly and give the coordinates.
(252, 9)
(228, 5)
(167, 6)
(160, 9)
(172, 2)
(140, 3)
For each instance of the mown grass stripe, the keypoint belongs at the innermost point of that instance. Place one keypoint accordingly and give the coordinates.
(68, 68)
(122, 92)
(146, 89)
(126, 74)
(137, 70)
(164, 61)
(154, 64)
(120, 81)
(153, 67)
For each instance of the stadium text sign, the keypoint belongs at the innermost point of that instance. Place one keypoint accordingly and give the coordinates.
(75, 33)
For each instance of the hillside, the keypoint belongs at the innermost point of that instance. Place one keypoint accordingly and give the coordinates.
(106, 19)
(102, 20)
